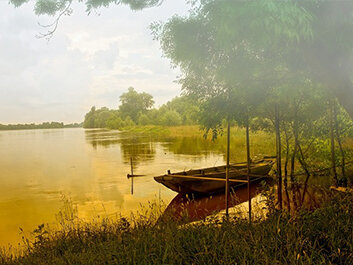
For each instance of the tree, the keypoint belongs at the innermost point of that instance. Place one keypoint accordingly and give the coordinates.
(171, 118)
(134, 103)
(178, 111)
(328, 56)
(220, 50)
(185, 106)
(90, 118)
(60, 8)
(232, 52)
(53, 7)
(103, 116)
(98, 118)
(144, 120)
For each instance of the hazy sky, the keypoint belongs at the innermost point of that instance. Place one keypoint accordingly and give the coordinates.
(91, 60)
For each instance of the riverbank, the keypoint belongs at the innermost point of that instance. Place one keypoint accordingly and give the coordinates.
(44, 125)
(182, 130)
(196, 131)
(175, 131)
(321, 236)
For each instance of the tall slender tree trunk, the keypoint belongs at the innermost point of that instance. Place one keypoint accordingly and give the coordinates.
(248, 166)
(279, 156)
(285, 182)
(307, 172)
(332, 140)
(339, 141)
(292, 177)
(227, 169)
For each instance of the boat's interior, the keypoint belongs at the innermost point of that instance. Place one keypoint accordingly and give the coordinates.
(236, 170)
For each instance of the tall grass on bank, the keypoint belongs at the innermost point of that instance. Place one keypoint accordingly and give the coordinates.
(322, 236)
(148, 129)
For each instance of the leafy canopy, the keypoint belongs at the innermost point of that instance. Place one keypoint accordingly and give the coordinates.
(227, 50)
(54, 7)
(134, 103)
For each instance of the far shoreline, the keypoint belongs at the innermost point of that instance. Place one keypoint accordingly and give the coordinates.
(44, 125)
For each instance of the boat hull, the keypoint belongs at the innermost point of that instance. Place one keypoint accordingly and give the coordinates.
(196, 182)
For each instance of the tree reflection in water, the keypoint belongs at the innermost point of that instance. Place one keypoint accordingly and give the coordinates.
(142, 148)
(196, 145)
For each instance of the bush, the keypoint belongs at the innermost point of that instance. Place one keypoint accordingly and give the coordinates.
(144, 120)
(171, 118)
(115, 123)
(128, 122)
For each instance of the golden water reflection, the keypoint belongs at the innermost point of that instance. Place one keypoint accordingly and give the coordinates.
(40, 167)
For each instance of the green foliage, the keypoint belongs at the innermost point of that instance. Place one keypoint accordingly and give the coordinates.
(144, 120)
(170, 118)
(186, 107)
(89, 121)
(49, 7)
(73, 125)
(136, 109)
(243, 59)
(54, 7)
(238, 54)
(134, 103)
(128, 122)
(115, 123)
(103, 116)
(221, 49)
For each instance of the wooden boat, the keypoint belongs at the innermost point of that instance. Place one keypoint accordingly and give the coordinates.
(212, 180)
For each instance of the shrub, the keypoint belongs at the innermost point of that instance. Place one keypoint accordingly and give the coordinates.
(171, 118)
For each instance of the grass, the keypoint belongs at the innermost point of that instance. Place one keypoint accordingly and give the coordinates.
(171, 131)
(148, 129)
(185, 131)
(322, 236)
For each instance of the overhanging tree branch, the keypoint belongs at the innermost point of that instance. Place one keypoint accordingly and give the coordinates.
(49, 34)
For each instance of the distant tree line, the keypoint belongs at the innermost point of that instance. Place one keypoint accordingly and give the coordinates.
(44, 125)
(137, 109)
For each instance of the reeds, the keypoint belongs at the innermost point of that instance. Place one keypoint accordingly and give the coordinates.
(321, 236)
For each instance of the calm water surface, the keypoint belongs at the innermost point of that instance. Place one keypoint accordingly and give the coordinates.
(39, 167)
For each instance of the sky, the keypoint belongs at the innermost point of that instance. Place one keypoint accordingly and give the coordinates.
(90, 61)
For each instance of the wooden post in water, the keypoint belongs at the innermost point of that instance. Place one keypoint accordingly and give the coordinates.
(132, 177)
(227, 169)
(248, 166)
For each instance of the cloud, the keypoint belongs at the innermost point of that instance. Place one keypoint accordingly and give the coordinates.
(105, 59)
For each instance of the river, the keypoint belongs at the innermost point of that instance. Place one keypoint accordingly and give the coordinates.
(40, 169)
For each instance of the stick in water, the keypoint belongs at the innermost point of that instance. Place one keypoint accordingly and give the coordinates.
(132, 177)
